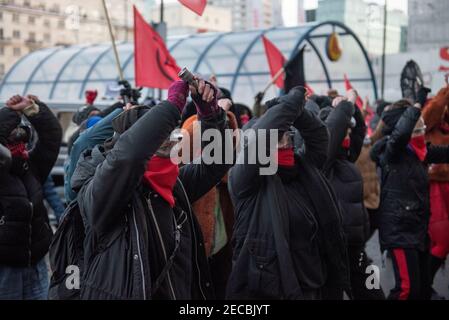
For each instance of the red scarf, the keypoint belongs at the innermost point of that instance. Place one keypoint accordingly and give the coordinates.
(244, 119)
(286, 157)
(161, 175)
(346, 143)
(18, 150)
(418, 146)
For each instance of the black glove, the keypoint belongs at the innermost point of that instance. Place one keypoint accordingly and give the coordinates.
(421, 95)
(297, 95)
(259, 97)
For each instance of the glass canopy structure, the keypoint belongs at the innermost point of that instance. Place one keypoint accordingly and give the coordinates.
(60, 75)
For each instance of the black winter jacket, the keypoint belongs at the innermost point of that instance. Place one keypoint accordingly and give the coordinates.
(265, 256)
(130, 230)
(344, 176)
(25, 233)
(404, 207)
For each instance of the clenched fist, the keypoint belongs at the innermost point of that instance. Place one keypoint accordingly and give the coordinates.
(19, 103)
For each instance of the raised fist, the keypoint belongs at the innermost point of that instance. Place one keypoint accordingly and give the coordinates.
(19, 103)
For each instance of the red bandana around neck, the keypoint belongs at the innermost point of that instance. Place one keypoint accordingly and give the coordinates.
(161, 175)
(18, 150)
(346, 143)
(286, 157)
(418, 146)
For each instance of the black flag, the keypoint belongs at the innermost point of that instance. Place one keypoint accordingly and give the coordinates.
(411, 80)
(294, 72)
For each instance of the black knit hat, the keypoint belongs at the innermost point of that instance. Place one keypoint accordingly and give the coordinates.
(83, 114)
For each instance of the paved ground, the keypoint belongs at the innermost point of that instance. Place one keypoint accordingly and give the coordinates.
(441, 283)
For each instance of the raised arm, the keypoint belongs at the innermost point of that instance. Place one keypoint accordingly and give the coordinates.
(44, 155)
(357, 135)
(316, 137)
(337, 124)
(105, 196)
(281, 114)
(9, 120)
(402, 132)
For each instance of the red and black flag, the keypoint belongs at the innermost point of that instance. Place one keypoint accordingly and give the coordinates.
(153, 63)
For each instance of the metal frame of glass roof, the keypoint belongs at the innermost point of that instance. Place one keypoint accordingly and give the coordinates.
(236, 58)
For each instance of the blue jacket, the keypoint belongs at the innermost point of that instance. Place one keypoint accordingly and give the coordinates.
(93, 136)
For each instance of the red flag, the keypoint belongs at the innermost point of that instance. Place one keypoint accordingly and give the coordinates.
(196, 6)
(359, 103)
(348, 86)
(275, 59)
(154, 66)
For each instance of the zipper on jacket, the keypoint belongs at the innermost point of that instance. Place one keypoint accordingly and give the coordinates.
(140, 255)
(30, 234)
(196, 239)
(311, 218)
(158, 231)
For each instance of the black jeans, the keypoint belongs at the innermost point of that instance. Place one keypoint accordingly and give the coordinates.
(358, 263)
(411, 272)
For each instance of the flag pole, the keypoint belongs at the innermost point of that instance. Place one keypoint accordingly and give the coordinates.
(114, 46)
(274, 79)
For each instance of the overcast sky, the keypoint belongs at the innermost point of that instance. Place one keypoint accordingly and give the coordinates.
(290, 9)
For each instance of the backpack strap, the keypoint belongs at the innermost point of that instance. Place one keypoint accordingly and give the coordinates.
(170, 260)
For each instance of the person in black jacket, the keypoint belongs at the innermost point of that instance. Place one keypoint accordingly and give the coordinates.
(403, 157)
(347, 131)
(142, 238)
(25, 233)
(288, 239)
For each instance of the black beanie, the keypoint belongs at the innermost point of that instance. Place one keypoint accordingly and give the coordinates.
(83, 114)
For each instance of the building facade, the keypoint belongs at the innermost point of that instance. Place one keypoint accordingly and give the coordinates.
(367, 21)
(27, 25)
(181, 21)
(252, 14)
(428, 24)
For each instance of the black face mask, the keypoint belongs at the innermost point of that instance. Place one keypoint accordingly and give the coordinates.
(126, 119)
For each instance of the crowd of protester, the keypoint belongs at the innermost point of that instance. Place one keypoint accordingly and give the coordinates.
(136, 225)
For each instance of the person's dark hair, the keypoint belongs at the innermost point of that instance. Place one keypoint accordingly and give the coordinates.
(225, 93)
(381, 104)
(239, 109)
(403, 103)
